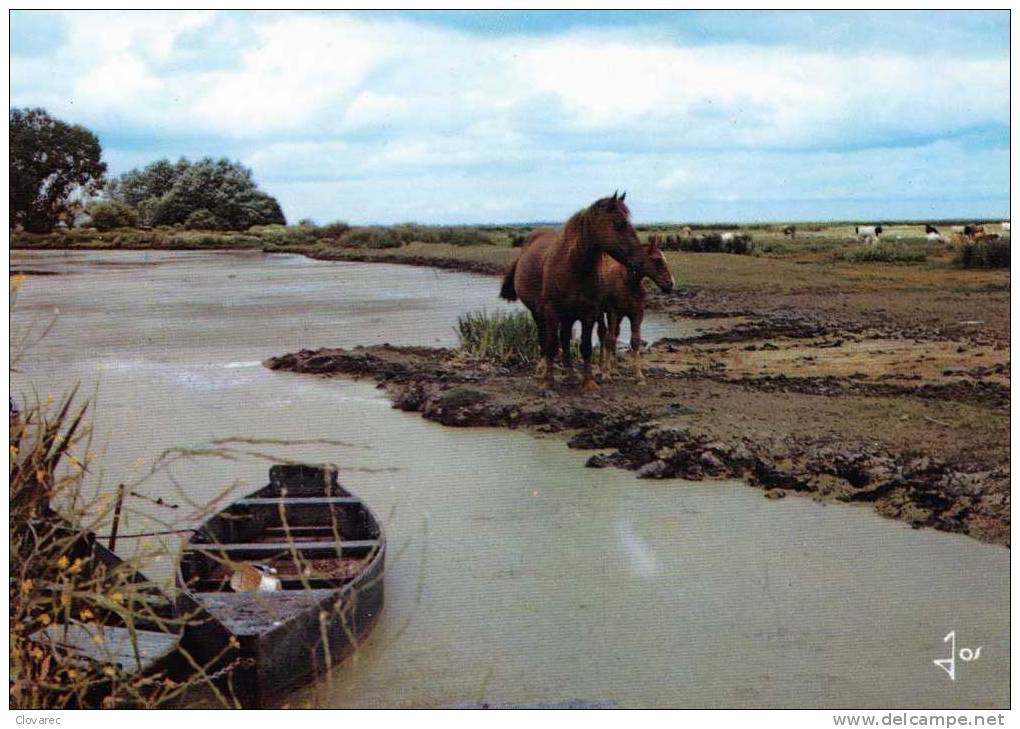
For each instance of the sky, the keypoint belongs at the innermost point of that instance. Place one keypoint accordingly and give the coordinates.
(497, 117)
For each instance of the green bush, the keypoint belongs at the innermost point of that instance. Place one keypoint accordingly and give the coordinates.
(332, 230)
(203, 219)
(887, 253)
(987, 254)
(110, 215)
(374, 237)
(739, 243)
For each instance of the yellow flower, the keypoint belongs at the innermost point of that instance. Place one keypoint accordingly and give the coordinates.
(110, 671)
(26, 587)
(97, 638)
(76, 567)
(234, 642)
(117, 597)
(63, 562)
(45, 619)
(72, 674)
(86, 614)
(36, 653)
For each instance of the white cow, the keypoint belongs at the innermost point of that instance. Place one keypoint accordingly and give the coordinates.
(868, 233)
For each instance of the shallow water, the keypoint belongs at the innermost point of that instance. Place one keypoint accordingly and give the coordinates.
(513, 573)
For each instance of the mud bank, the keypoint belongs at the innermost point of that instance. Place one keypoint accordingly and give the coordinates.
(912, 426)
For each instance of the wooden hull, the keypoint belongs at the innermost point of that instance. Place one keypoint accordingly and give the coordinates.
(150, 648)
(330, 553)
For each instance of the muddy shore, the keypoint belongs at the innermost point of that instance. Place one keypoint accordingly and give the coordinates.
(857, 396)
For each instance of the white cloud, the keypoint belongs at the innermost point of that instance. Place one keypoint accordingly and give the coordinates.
(344, 97)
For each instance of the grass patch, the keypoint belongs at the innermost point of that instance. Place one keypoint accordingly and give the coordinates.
(506, 339)
(887, 253)
(990, 254)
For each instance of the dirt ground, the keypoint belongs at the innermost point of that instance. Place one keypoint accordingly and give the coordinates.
(896, 398)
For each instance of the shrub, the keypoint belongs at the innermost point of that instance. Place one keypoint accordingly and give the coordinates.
(332, 230)
(203, 219)
(502, 338)
(282, 235)
(888, 253)
(374, 237)
(987, 254)
(738, 243)
(110, 215)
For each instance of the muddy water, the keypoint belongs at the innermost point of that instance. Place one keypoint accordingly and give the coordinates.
(514, 575)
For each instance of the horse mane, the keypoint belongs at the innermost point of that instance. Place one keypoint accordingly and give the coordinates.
(576, 236)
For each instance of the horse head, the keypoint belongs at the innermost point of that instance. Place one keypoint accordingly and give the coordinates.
(655, 266)
(608, 230)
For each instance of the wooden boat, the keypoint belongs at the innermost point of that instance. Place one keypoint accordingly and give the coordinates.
(325, 549)
(147, 647)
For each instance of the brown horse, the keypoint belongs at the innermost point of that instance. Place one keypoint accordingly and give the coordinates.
(556, 277)
(622, 296)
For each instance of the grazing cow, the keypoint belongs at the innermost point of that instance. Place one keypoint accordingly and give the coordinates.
(1005, 225)
(929, 229)
(790, 231)
(726, 237)
(687, 231)
(973, 231)
(868, 233)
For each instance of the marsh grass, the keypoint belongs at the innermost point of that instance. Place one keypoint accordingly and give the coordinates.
(507, 339)
(989, 254)
(887, 252)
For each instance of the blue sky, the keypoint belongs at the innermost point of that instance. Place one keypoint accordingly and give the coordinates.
(471, 117)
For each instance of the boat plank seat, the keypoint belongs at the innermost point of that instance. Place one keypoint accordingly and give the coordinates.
(299, 500)
(253, 613)
(117, 646)
(262, 550)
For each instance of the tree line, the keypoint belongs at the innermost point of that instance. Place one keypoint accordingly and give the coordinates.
(58, 178)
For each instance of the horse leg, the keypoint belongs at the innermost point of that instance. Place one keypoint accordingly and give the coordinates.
(551, 343)
(588, 384)
(614, 337)
(566, 330)
(635, 344)
(609, 348)
(601, 328)
(540, 326)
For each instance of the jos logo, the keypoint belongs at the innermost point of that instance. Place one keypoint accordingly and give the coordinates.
(967, 655)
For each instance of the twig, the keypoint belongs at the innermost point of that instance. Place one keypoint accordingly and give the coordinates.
(937, 422)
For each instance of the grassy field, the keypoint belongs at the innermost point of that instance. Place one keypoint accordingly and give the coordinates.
(823, 255)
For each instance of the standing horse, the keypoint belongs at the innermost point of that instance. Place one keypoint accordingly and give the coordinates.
(622, 296)
(556, 277)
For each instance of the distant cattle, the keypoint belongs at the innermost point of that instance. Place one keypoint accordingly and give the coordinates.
(790, 231)
(929, 229)
(868, 233)
(1005, 225)
(726, 237)
(973, 231)
(687, 232)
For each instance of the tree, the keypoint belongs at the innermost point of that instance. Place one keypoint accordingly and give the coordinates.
(113, 214)
(217, 193)
(52, 162)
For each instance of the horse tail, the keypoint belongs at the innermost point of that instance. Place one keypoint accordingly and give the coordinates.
(508, 291)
